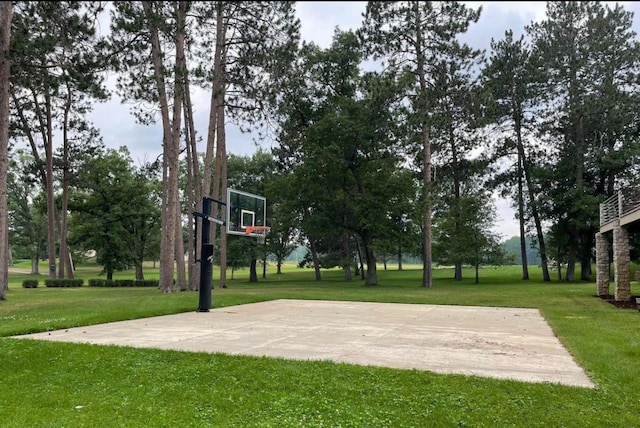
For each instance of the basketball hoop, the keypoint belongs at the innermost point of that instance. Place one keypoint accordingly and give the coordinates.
(259, 232)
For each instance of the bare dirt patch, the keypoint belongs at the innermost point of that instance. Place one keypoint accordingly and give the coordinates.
(621, 304)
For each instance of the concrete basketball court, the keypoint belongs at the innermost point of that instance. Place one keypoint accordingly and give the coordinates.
(504, 343)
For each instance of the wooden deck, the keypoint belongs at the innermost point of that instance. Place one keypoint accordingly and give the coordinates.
(620, 209)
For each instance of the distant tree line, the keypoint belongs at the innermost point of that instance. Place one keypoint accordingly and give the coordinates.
(513, 256)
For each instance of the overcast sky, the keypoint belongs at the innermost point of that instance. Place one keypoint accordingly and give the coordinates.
(318, 23)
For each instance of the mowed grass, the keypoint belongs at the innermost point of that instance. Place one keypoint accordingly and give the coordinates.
(46, 384)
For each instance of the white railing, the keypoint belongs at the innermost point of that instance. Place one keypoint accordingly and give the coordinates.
(619, 205)
(609, 210)
(629, 202)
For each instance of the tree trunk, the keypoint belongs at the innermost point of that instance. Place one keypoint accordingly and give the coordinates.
(400, 257)
(534, 208)
(174, 163)
(208, 173)
(523, 244)
(578, 155)
(585, 258)
(264, 266)
(222, 135)
(6, 11)
(171, 136)
(26, 127)
(371, 276)
(65, 259)
(51, 204)
(346, 249)
(360, 269)
(191, 198)
(423, 113)
(139, 253)
(426, 249)
(559, 271)
(222, 142)
(167, 239)
(569, 276)
(181, 273)
(314, 258)
(194, 186)
(253, 274)
(192, 277)
(347, 273)
(585, 270)
(457, 271)
(220, 174)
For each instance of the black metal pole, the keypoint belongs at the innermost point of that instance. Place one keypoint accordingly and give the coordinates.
(206, 262)
(206, 275)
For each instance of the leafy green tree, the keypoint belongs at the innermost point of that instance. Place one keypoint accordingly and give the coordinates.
(339, 144)
(453, 136)
(280, 243)
(112, 211)
(463, 227)
(239, 254)
(282, 238)
(509, 79)
(589, 59)
(295, 112)
(55, 83)
(401, 235)
(143, 33)
(484, 243)
(145, 221)
(412, 37)
(233, 48)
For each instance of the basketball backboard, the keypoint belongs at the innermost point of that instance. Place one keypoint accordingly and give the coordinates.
(245, 210)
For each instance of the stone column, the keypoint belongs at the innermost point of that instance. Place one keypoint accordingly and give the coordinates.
(602, 264)
(621, 263)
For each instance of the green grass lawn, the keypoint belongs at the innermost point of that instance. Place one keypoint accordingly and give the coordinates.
(47, 384)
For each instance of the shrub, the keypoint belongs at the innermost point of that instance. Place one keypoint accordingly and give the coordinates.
(146, 283)
(123, 283)
(63, 282)
(30, 283)
(100, 283)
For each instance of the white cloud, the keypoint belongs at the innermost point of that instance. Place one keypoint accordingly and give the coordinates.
(319, 19)
(506, 223)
